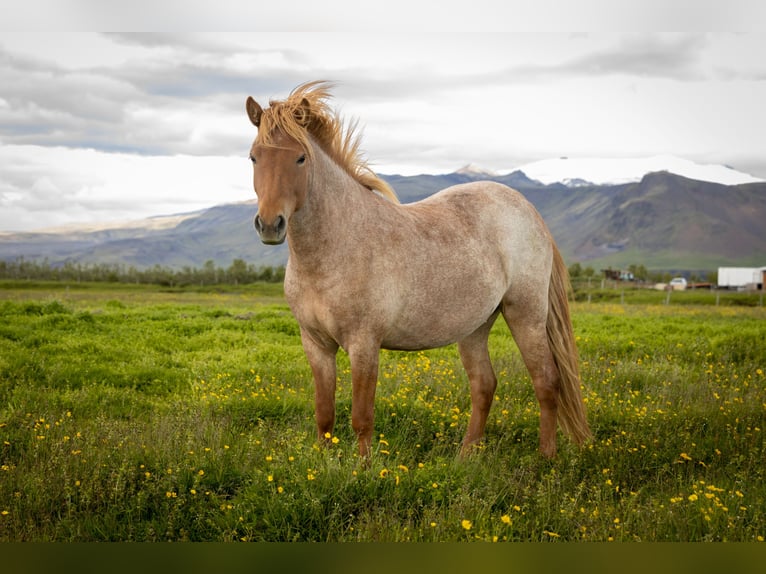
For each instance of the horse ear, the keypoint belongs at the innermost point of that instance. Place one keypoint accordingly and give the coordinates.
(254, 111)
(302, 113)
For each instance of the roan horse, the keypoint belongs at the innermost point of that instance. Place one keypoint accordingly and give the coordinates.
(365, 272)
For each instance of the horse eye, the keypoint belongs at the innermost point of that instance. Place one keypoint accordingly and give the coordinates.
(252, 158)
(301, 160)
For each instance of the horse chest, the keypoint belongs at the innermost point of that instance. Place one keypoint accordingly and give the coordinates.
(329, 313)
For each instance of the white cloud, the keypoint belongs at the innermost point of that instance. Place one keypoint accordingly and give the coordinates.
(45, 186)
(166, 112)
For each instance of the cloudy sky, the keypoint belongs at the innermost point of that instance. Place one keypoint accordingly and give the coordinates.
(100, 127)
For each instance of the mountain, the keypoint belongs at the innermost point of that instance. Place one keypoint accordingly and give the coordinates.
(661, 220)
(576, 172)
(473, 170)
(222, 234)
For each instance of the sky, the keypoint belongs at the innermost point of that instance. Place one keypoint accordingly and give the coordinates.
(98, 127)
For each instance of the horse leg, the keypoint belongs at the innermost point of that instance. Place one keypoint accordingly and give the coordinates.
(321, 358)
(529, 332)
(364, 379)
(474, 354)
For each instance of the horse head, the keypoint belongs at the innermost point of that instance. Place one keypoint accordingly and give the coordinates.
(288, 133)
(280, 174)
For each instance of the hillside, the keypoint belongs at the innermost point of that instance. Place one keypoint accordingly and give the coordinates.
(671, 221)
(663, 221)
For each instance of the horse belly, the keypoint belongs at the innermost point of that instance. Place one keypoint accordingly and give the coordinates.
(411, 341)
(427, 322)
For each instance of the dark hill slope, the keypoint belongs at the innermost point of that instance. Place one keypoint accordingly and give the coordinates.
(663, 221)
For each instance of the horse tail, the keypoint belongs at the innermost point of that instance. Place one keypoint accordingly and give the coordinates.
(571, 408)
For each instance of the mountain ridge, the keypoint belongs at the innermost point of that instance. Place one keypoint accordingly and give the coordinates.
(578, 171)
(661, 221)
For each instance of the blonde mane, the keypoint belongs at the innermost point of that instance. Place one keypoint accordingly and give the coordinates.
(306, 111)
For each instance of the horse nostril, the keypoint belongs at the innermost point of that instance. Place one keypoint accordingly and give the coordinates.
(279, 224)
(258, 223)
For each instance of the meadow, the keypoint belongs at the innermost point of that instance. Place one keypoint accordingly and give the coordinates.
(135, 413)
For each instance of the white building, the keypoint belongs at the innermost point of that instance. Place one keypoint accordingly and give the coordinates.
(741, 277)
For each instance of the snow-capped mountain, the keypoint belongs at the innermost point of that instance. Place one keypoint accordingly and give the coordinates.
(614, 171)
(475, 170)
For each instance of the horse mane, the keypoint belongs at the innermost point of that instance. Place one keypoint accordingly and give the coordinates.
(306, 111)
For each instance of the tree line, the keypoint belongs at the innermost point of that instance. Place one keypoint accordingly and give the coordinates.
(238, 273)
(639, 273)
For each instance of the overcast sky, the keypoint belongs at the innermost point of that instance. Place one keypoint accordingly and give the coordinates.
(97, 127)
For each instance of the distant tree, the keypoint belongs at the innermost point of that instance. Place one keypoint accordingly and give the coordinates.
(639, 272)
(237, 272)
(209, 274)
(266, 273)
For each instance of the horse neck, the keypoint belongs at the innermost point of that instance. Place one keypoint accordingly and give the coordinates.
(326, 221)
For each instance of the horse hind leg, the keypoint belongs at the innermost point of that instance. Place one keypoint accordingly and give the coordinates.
(474, 354)
(528, 328)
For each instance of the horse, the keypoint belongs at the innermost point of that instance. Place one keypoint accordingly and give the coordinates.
(366, 272)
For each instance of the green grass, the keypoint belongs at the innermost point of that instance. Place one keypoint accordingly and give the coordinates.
(132, 413)
(631, 294)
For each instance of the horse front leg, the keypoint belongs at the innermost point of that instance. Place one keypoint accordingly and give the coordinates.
(474, 354)
(364, 379)
(321, 358)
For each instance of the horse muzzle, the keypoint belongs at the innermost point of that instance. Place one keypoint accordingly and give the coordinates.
(272, 233)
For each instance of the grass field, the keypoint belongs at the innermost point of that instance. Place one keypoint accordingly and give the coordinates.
(130, 413)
